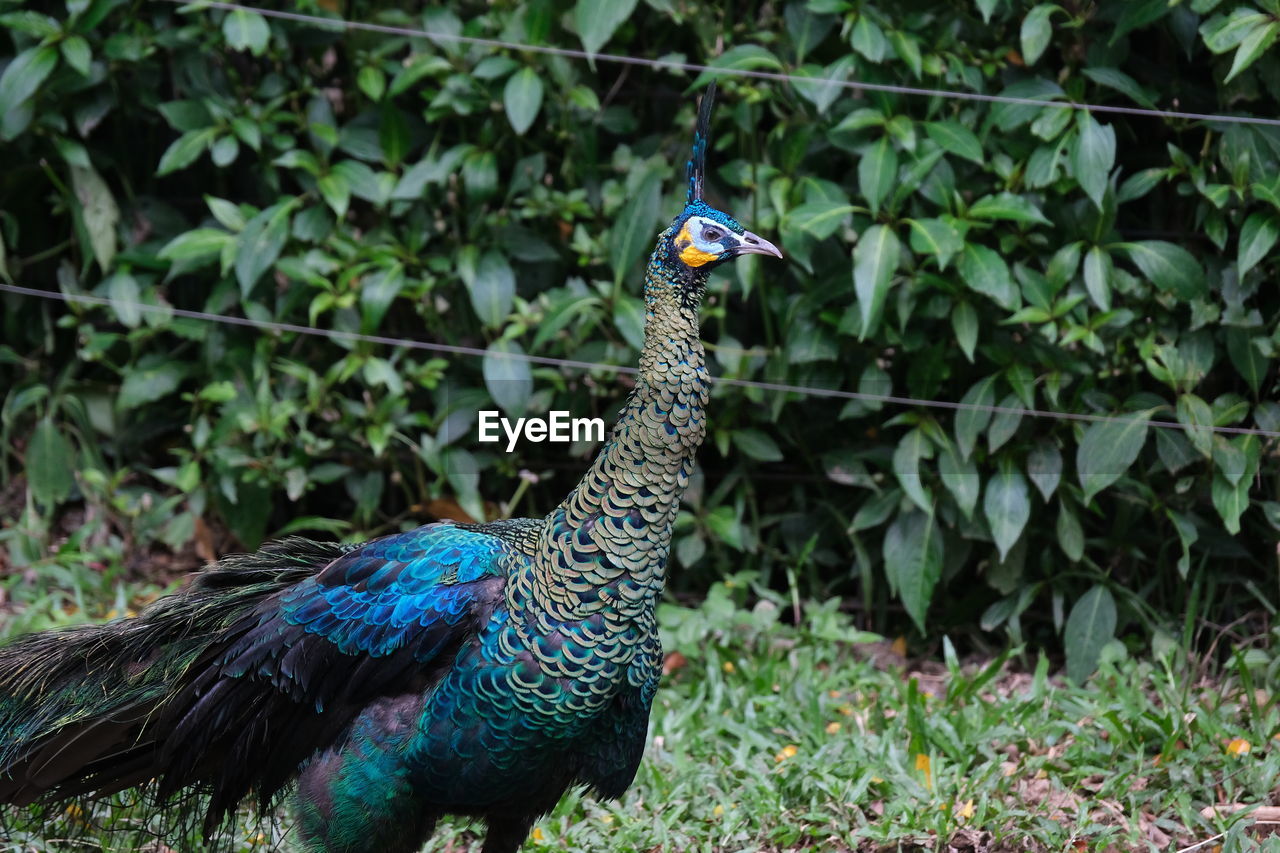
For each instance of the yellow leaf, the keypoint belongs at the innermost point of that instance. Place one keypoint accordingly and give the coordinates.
(899, 647)
(718, 811)
(1239, 746)
(964, 811)
(728, 666)
(833, 728)
(538, 834)
(786, 752)
(925, 766)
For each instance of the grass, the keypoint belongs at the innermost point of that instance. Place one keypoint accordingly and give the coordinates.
(771, 737)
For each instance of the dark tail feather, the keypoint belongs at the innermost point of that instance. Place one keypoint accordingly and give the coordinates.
(84, 710)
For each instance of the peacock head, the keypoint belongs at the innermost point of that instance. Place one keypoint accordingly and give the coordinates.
(702, 237)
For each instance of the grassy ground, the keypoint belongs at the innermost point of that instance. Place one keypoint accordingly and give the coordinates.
(769, 737)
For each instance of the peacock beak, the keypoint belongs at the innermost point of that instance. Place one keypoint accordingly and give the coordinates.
(751, 244)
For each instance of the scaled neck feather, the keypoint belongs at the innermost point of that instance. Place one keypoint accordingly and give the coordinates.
(604, 549)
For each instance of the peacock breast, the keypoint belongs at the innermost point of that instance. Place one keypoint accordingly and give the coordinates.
(518, 702)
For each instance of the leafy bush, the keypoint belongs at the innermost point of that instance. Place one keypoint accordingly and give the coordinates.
(1010, 255)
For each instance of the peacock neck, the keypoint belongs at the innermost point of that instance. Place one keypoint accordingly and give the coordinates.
(604, 549)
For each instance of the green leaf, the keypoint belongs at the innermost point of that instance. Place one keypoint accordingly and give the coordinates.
(19, 82)
(1170, 268)
(961, 478)
(1036, 32)
(1114, 78)
(1004, 424)
(874, 260)
(907, 47)
(742, 57)
(1108, 449)
(628, 318)
(1196, 414)
(1044, 467)
(31, 23)
(153, 377)
(336, 192)
(913, 553)
(224, 151)
(1257, 237)
(246, 30)
(964, 322)
(1070, 534)
(185, 115)
(633, 229)
(522, 97)
(122, 289)
(868, 39)
(726, 526)
(508, 380)
(1230, 500)
(183, 151)
(493, 288)
(260, 243)
(935, 237)
(196, 245)
(480, 175)
(1007, 506)
(1008, 206)
(906, 467)
(1247, 357)
(1092, 156)
(1187, 536)
(374, 187)
(377, 291)
(225, 212)
(877, 171)
(757, 445)
(393, 135)
(970, 422)
(75, 50)
(98, 211)
(597, 20)
(1097, 277)
(985, 272)
(1224, 32)
(956, 139)
(875, 511)
(1091, 625)
(1252, 47)
(50, 464)
(819, 218)
(372, 82)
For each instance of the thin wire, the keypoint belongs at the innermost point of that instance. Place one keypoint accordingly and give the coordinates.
(676, 65)
(777, 387)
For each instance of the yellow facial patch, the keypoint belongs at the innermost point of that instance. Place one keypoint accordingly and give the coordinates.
(689, 253)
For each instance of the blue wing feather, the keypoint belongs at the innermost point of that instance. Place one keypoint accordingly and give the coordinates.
(382, 596)
(408, 596)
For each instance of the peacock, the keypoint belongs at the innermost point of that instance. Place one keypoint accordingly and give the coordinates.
(467, 669)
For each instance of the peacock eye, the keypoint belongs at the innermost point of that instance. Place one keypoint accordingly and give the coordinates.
(711, 235)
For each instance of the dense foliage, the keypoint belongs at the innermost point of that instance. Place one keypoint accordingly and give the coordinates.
(1007, 255)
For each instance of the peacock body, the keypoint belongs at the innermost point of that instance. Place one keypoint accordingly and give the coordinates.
(473, 669)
